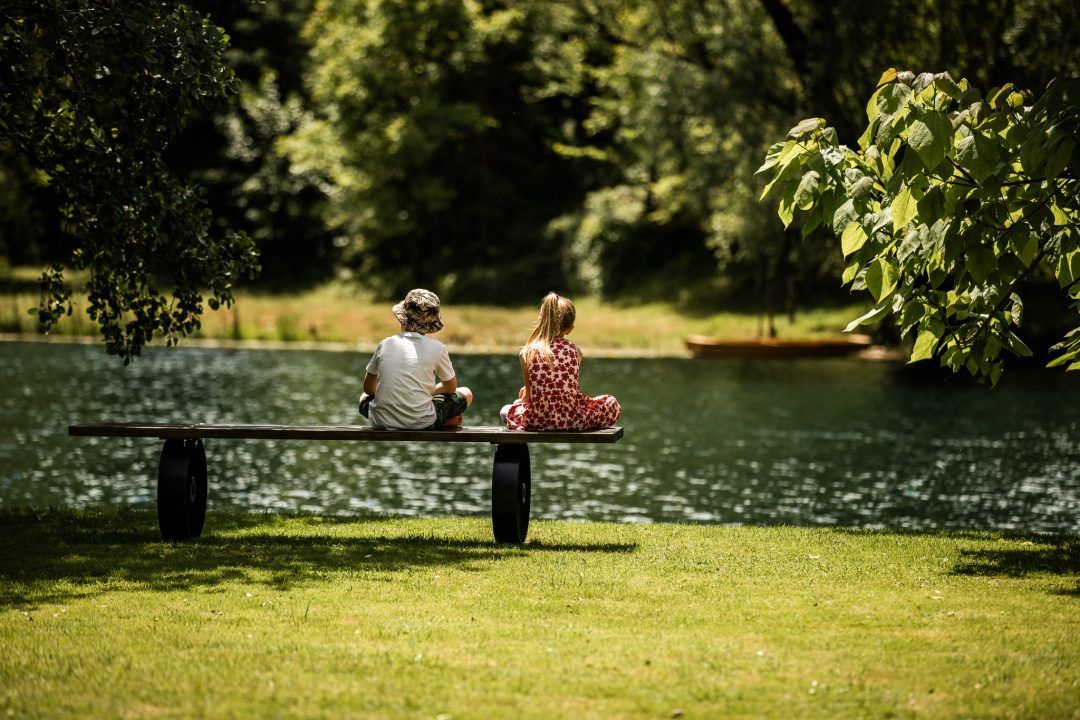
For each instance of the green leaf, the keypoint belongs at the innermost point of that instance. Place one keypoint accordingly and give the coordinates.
(1033, 150)
(911, 313)
(924, 345)
(997, 95)
(872, 315)
(1016, 310)
(891, 126)
(1015, 344)
(887, 77)
(854, 237)
(1059, 216)
(977, 155)
(1027, 248)
(1057, 159)
(860, 187)
(904, 208)
(930, 136)
(880, 278)
(995, 373)
(812, 222)
(981, 262)
(931, 206)
(891, 98)
(946, 85)
(1064, 358)
(843, 215)
(1067, 269)
(788, 171)
(806, 193)
(807, 126)
(849, 272)
(786, 209)
(771, 158)
(913, 242)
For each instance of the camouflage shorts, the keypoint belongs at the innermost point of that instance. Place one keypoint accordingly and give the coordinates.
(448, 406)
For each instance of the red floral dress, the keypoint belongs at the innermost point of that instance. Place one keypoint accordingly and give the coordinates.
(555, 401)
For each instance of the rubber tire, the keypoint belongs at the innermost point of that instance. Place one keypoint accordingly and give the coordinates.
(511, 493)
(181, 489)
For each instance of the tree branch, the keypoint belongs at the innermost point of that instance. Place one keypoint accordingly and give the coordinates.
(964, 172)
(613, 36)
(790, 33)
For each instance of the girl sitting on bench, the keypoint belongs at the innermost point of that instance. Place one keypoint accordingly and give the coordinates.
(551, 398)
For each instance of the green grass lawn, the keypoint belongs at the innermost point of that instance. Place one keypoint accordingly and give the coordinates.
(272, 616)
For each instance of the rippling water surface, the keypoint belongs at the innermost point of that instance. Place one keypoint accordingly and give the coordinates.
(837, 442)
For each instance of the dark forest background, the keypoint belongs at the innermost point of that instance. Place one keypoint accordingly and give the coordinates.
(494, 150)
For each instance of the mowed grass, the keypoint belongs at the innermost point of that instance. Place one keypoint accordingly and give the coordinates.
(275, 616)
(339, 313)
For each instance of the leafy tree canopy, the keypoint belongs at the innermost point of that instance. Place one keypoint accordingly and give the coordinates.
(91, 94)
(951, 202)
(436, 130)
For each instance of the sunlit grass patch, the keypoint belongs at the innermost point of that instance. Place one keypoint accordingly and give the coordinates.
(315, 616)
(340, 313)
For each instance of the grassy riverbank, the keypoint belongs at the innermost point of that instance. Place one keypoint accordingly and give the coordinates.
(339, 313)
(314, 617)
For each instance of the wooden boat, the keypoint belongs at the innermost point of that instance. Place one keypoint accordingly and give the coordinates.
(701, 346)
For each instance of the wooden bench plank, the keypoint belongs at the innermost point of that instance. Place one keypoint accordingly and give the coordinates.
(488, 434)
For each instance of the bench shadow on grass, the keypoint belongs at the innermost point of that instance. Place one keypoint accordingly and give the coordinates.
(58, 555)
(1039, 554)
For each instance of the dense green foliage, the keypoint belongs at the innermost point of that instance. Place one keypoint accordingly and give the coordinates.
(951, 202)
(90, 95)
(234, 150)
(488, 149)
(437, 133)
(496, 150)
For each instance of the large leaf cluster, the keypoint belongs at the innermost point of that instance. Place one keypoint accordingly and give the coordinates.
(951, 202)
(92, 93)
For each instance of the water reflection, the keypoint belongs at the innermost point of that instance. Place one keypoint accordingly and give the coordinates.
(839, 442)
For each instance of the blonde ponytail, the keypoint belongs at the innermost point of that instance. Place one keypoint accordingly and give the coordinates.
(557, 315)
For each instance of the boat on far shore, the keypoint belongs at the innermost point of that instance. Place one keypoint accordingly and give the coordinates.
(709, 347)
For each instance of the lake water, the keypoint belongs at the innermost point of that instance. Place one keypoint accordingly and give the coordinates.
(805, 442)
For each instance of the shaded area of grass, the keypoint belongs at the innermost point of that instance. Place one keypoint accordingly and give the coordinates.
(273, 550)
(339, 313)
(271, 615)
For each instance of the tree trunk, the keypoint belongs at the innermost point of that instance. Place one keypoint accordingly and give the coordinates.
(817, 81)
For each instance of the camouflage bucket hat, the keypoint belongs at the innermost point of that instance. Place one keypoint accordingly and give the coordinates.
(419, 312)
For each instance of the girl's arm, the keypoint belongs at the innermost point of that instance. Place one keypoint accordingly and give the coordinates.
(524, 374)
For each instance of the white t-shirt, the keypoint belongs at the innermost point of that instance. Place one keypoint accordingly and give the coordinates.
(408, 365)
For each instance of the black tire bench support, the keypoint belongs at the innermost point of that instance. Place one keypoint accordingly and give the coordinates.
(511, 490)
(181, 489)
(182, 478)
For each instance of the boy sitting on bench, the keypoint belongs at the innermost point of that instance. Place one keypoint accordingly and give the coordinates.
(410, 383)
